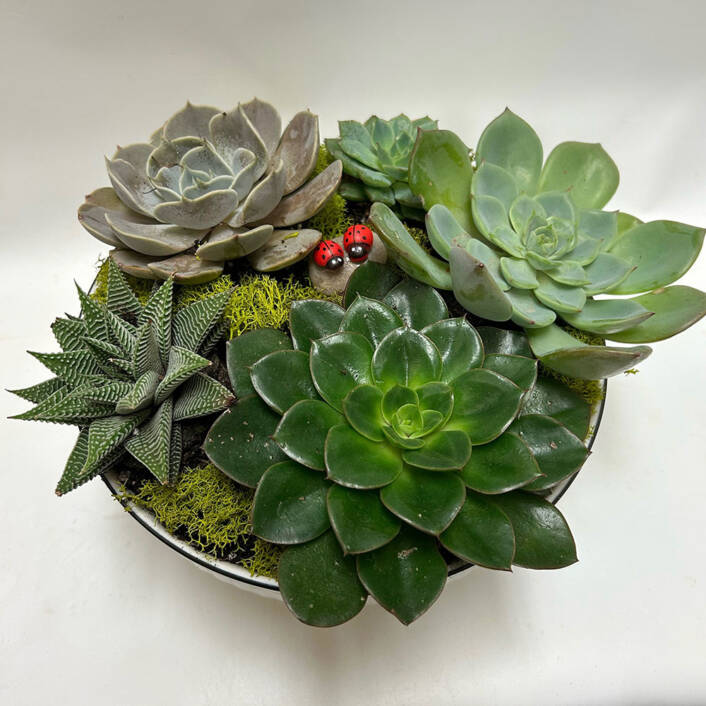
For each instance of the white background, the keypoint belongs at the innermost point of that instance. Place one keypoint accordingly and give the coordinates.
(95, 611)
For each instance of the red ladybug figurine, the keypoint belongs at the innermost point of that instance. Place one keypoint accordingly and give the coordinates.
(328, 254)
(357, 241)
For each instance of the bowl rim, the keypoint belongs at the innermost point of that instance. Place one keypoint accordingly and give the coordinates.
(238, 575)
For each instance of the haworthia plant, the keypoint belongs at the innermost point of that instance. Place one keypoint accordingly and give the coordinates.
(526, 240)
(212, 186)
(128, 376)
(379, 434)
(375, 157)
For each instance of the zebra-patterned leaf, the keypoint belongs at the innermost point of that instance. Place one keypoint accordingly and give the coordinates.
(40, 392)
(218, 333)
(193, 323)
(35, 414)
(104, 353)
(175, 446)
(158, 310)
(124, 365)
(109, 393)
(141, 394)
(123, 333)
(121, 298)
(182, 365)
(74, 408)
(200, 396)
(151, 444)
(93, 314)
(104, 437)
(71, 477)
(68, 333)
(146, 355)
(73, 367)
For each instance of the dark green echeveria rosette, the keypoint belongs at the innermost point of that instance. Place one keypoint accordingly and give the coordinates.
(527, 240)
(381, 434)
(375, 157)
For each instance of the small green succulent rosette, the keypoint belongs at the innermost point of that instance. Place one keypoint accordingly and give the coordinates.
(212, 186)
(381, 435)
(375, 157)
(129, 376)
(526, 240)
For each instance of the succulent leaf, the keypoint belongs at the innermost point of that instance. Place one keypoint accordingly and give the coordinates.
(282, 379)
(313, 319)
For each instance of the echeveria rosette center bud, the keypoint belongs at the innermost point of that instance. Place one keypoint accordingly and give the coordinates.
(375, 157)
(212, 186)
(538, 246)
(129, 376)
(379, 433)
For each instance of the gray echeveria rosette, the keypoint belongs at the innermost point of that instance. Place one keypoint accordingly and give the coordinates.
(526, 240)
(212, 186)
(128, 376)
(379, 434)
(375, 157)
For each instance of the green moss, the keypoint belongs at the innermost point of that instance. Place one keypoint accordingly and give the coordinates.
(333, 219)
(590, 390)
(141, 287)
(213, 512)
(420, 235)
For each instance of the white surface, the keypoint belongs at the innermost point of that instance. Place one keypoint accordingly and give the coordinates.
(95, 611)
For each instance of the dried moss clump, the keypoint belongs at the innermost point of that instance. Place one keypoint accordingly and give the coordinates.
(213, 512)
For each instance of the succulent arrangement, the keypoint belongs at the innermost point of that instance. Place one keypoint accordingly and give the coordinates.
(283, 365)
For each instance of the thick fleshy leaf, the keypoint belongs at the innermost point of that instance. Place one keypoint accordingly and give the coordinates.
(284, 248)
(509, 142)
(444, 230)
(406, 357)
(226, 243)
(675, 309)
(283, 378)
(559, 453)
(605, 316)
(417, 304)
(485, 404)
(133, 263)
(405, 576)
(440, 172)
(370, 177)
(521, 370)
(40, 392)
(363, 410)
(425, 500)
(527, 311)
(183, 269)
(356, 462)
(436, 397)
(290, 504)
(105, 436)
(240, 441)
(562, 352)
(313, 319)
(518, 273)
(570, 273)
(605, 272)
(560, 297)
(490, 215)
(91, 214)
(458, 343)
(339, 363)
(371, 318)
(121, 299)
(233, 131)
(406, 252)
(475, 288)
(504, 341)
(556, 400)
(151, 444)
(140, 395)
(298, 148)
(199, 396)
(481, 534)
(584, 170)
(543, 540)
(152, 238)
(660, 252)
(444, 450)
(500, 466)
(244, 351)
(360, 520)
(491, 180)
(397, 396)
(319, 584)
(69, 333)
(182, 365)
(303, 430)
(371, 279)
(194, 322)
(73, 367)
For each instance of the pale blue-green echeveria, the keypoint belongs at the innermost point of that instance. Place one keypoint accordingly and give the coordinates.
(129, 376)
(375, 157)
(527, 240)
(378, 434)
(212, 186)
